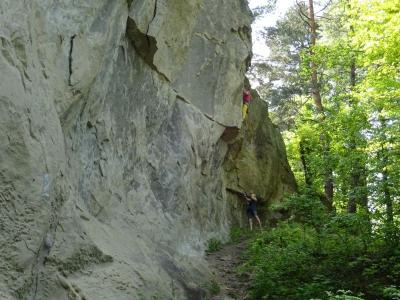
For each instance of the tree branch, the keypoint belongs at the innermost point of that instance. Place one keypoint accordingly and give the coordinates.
(322, 17)
(327, 4)
(303, 16)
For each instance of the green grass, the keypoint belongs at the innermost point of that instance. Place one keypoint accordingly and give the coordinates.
(213, 287)
(236, 235)
(214, 245)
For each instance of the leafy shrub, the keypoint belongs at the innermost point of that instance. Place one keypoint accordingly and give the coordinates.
(392, 292)
(237, 234)
(342, 295)
(285, 265)
(307, 208)
(304, 261)
(214, 245)
(214, 287)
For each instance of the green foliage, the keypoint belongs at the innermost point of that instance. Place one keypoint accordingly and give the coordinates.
(392, 292)
(306, 208)
(355, 143)
(358, 138)
(237, 233)
(264, 9)
(315, 255)
(213, 245)
(278, 76)
(213, 287)
(300, 261)
(342, 295)
(284, 264)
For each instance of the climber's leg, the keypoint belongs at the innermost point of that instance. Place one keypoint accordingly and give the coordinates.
(245, 107)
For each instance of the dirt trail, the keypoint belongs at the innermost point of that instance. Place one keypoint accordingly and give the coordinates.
(224, 263)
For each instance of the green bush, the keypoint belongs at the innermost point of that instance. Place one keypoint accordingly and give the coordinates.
(237, 234)
(306, 208)
(392, 292)
(214, 287)
(313, 260)
(213, 245)
(342, 295)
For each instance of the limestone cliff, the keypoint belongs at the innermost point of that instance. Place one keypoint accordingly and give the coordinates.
(112, 117)
(256, 161)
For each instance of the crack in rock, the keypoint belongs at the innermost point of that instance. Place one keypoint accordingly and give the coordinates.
(71, 47)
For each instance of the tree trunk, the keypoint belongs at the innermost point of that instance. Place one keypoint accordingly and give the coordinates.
(358, 187)
(316, 94)
(354, 182)
(355, 174)
(387, 197)
(358, 179)
(384, 162)
(328, 177)
(304, 151)
(314, 75)
(353, 74)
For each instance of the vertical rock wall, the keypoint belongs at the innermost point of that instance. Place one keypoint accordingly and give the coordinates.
(256, 162)
(111, 117)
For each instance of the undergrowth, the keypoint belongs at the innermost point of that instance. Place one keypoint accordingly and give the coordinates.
(213, 245)
(314, 255)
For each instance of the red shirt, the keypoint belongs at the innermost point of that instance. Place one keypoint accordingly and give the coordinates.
(246, 96)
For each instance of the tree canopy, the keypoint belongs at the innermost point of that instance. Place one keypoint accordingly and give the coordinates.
(344, 151)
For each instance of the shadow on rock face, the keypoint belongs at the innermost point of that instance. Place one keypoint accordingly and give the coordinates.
(144, 44)
(230, 134)
(192, 291)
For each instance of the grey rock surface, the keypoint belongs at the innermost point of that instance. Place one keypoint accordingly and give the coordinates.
(111, 117)
(256, 162)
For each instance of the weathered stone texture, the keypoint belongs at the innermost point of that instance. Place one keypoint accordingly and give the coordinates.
(256, 162)
(111, 116)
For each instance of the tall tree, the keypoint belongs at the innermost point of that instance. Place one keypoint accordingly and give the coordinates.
(316, 94)
(279, 74)
(376, 24)
(315, 91)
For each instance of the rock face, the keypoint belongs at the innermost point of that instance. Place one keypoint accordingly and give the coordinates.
(112, 114)
(256, 162)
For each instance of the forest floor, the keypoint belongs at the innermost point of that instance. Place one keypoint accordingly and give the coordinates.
(227, 284)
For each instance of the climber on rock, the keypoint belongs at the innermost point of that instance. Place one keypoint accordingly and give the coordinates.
(251, 209)
(246, 101)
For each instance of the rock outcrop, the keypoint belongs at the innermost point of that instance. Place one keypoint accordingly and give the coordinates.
(256, 162)
(112, 115)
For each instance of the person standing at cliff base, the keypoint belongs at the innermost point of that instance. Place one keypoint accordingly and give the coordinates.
(246, 101)
(251, 209)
